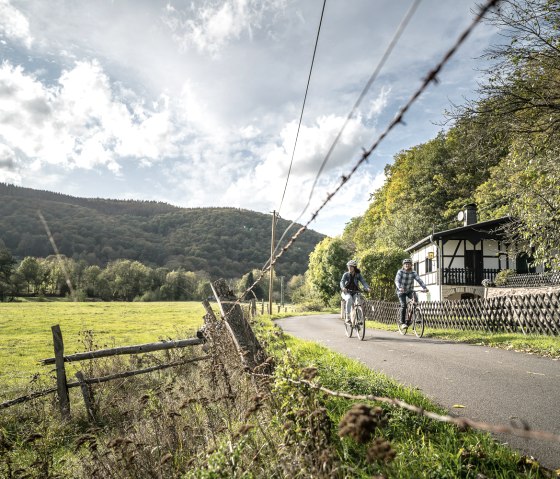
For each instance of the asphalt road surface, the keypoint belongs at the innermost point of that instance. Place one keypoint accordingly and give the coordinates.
(494, 385)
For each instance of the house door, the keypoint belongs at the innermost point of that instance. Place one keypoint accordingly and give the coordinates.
(473, 267)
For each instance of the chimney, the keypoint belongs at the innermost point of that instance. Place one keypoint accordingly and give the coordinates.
(469, 216)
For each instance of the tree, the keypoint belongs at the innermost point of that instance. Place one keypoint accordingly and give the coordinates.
(127, 279)
(246, 282)
(30, 270)
(379, 269)
(522, 95)
(7, 263)
(327, 263)
(526, 185)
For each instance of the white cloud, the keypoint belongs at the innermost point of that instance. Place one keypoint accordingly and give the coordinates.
(80, 121)
(213, 24)
(13, 24)
(378, 104)
(214, 122)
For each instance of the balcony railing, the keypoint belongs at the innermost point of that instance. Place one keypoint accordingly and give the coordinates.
(468, 276)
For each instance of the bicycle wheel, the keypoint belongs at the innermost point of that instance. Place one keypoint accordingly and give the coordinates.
(418, 322)
(360, 323)
(349, 328)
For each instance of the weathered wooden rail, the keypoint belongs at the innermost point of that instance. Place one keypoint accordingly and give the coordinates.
(233, 322)
(527, 314)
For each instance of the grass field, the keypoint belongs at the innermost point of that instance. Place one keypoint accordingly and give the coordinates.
(25, 330)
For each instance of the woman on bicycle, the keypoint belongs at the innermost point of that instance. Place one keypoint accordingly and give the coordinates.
(349, 284)
(404, 281)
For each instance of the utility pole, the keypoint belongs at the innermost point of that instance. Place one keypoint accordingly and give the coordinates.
(282, 291)
(271, 265)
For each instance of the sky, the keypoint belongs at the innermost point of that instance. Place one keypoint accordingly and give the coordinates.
(196, 103)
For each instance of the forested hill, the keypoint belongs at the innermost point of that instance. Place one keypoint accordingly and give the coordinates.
(224, 242)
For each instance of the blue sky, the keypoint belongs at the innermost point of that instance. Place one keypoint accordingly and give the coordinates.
(196, 102)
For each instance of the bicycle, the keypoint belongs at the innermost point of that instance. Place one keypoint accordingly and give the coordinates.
(357, 320)
(414, 316)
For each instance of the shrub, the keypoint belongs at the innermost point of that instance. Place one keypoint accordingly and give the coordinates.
(502, 277)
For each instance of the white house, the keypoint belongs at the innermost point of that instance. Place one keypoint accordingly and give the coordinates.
(454, 262)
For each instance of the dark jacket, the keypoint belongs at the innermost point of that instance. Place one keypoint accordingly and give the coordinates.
(347, 283)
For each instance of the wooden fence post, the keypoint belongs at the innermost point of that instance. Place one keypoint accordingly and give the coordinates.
(87, 393)
(253, 308)
(61, 384)
(251, 352)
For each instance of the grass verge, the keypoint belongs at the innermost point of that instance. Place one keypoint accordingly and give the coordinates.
(547, 346)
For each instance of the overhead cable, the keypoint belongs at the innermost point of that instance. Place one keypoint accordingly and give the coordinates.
(303, 106)
(398, 33)
(398, 119)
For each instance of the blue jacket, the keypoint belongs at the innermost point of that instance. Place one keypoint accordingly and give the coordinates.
(358, 278)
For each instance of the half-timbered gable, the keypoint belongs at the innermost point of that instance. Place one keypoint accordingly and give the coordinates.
(453, 263)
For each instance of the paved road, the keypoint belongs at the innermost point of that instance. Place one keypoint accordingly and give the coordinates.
(494, 385)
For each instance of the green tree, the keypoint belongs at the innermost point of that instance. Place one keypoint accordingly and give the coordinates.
(379, 268)
(30, 270)
(7, 263)
(526, 186)
(127, 279)
(246, 282)
(327, 263)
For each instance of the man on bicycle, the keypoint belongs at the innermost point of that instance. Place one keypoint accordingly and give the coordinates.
(349, 284)
(404, 282)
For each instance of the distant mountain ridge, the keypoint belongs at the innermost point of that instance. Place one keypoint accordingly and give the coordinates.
(224, 242)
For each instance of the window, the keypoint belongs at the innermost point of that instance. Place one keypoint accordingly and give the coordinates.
(429, 265)
(416, 267)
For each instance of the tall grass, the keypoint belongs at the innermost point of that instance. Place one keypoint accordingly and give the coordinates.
(210, 420)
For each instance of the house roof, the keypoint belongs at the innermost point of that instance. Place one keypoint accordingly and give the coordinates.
(477, 231)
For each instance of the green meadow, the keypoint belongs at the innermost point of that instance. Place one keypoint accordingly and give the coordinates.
(25, 331)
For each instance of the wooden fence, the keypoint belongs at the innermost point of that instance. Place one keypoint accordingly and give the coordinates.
(528, 314)
(235, 324)
(531, 280)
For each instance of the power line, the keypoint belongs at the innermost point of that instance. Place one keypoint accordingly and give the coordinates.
(400, 29)
(398, 33)
(398, 119)
(303, 106)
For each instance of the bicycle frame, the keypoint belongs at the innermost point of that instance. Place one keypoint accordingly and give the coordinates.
(360, 326)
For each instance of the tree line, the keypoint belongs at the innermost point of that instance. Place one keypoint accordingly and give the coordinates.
(499, 151)
(120, 280)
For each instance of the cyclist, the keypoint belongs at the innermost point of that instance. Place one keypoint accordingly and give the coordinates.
(404, 282)
(349, 284)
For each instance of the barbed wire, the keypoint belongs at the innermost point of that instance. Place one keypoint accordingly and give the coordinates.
(462, 422)
(398, 119)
